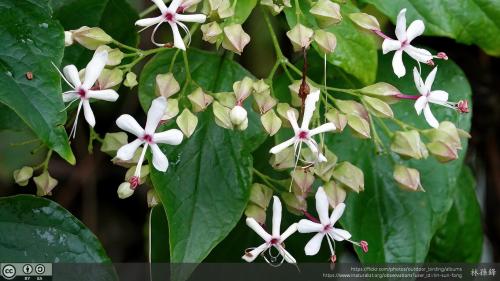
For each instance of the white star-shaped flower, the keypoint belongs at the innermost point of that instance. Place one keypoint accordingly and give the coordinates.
(428, 96)
(302, 133)
(83, 91)
(271, 240)
(148, 137)
(405, 36)
(325, 225)
(172, 15)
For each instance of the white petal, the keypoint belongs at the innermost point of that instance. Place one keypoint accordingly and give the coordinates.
(253, 224)
(429, 117)
(278, 148)
(322, 206)
(160, 161)
(70, 96)
(290, 114)
(390, 45)
(127, 151)
(276, 216)
(328, 127)
(313, 146)
(155, 113)
(339, 234)
(418, 54)
(401, 26)
(420, 103)
(128, 123)
(418, 82)
(289, 231)
(288, 257)
(174, 5)
(107, 95)
(310, 106)
(253, 254)
(147, 22)
(312, 247)
(87, 112)
(430, 79)
(307, 226)
(337, 213)
(172, 137)
(415, 29)
(161, 5)
(199, 18)
(438, 97)
(322, 158)
(397, 64)
(94, 68)
(178, 41)
(71, 73)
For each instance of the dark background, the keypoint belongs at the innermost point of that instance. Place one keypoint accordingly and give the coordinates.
(88, 190)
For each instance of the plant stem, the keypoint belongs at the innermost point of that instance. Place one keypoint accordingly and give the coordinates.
(150, 9)
(267, 180)
(126, 47)
(45, 163)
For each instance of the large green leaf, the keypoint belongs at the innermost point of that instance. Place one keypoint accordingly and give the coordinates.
(34, 229)
(461, 238)
(116, 17)
(399, 225)
(467, 21)
(206, 187)
(356, 53)
(31, 42)
(243, 10)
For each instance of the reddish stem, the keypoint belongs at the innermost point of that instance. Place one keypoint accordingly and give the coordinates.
(381, 34)
(407, 97)
(310, 217)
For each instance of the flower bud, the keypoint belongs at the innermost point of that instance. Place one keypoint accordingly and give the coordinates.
(284, 159)
(295, 88)
(365, 21)
(199, 100)
(275, 7)
(383, 91)
(44, 184)
(130, 174)
(408, 144)
(282, 110)
(130, 80)
(23, 175)
(349, 176)
(360, 127)
(187, 122)
(226, 99)
(125, 190)
(446, 133)
(110, 78)
(242, 89)
(166, 85)
(271, 122)
(338, 119)
(300, 36)
(68, 38)
(172, 109)
(407, 178)
(243, 126)
(324, 170)
(463, 133)
(238, 114)
(152, 198)
(211, 32)
(326, 13)
(221, 8)
(352, 107)
(222, 117)
(188, 6)
(115, 56)
(378, 107)
(91, 37)
(256, 212)
(444, 152)
(113, 141)
(264, 101)
(260, 86)
(129, 163)
(326, 41)
(235, 38)
(303, 179)
(295, 204)
(260, 195)
(334, 193)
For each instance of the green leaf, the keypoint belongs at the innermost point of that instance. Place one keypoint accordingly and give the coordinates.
(209, 170)
(159, 235)
(356, 52)
(34, 229)
(31, 41)
(116, 17)
(461, 238)
(467, 21)
(243, 10)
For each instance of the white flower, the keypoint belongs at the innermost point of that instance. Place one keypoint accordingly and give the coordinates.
(303, 134)
(148, 137)
(172, 16)
(405, 36)
(324, 227)
(428, 96)
(271, 240)
(83, 91)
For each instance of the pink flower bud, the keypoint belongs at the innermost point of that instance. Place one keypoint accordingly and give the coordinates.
(431, 63)
(442, 55)
(134, 182)
(364, 246)
(463, 106)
